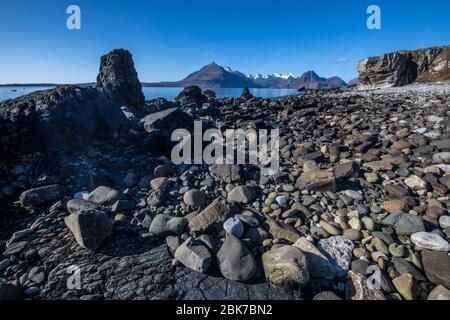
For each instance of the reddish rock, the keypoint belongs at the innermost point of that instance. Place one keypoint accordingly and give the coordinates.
(394, 205)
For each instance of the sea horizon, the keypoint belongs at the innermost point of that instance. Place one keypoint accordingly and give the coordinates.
(150, 93)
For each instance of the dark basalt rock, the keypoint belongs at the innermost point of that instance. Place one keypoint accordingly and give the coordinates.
(246, 94)
(10, 291)
(191, 95)
(58, 119)
(90, 228)
(167, 121)
(41, 195)
(118, 80)
(209, 93)
(159, 127)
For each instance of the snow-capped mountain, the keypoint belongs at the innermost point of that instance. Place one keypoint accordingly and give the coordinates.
(213, 75)
(271, 76)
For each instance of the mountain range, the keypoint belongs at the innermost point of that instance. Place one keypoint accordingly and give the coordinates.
(216, 76)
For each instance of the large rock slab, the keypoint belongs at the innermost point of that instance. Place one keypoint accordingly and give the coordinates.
(42, 195)
(167, 121)
(236, 262)
(60, 119)
(158, 128)
(118, 80)
(90, 228)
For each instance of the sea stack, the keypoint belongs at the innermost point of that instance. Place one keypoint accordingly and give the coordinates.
(246, 95)
(118, 80)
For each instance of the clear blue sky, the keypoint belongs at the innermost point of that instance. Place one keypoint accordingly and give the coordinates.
(171, 38)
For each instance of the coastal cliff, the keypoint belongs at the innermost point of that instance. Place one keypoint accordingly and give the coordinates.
(406, 67)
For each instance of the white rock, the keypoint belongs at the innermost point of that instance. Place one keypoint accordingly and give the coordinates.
(420, 130)
(430, 241)
(415, 183)
(103, 195)
(435, 119)
(234, 226)
(282, 201)
(354, 195)
(444, 222)
(441, 157)
(444, 167)
(432, 135)
(82, 195)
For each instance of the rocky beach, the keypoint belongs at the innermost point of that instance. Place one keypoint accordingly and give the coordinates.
(358, 210)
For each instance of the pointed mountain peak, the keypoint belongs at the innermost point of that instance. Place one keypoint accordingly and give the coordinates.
(212, 66)
(310, 75)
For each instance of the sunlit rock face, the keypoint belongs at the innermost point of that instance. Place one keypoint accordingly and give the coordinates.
(405, 67)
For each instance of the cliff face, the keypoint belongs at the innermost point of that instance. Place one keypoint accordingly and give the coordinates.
(405, 67)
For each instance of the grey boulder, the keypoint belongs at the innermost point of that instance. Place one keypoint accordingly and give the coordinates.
(286, 267)
(194, 255)
(235, 261)
(242, 194)
(164, 225)
(90, 228)
(103, 195)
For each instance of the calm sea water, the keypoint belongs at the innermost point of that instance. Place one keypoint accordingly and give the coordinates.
(167, 93)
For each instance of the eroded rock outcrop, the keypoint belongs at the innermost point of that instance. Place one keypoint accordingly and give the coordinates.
(58, 119)
(191, 95)
(405, 67)
(118, 80)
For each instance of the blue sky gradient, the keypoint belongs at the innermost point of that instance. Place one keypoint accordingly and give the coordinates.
(172, 38)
